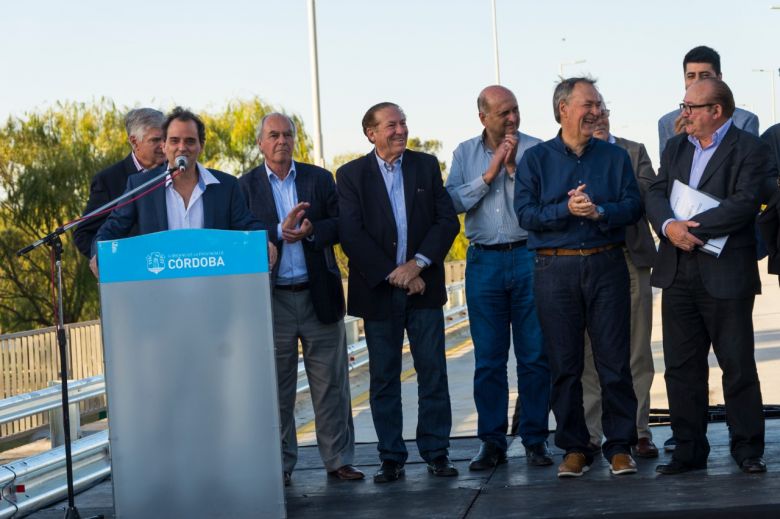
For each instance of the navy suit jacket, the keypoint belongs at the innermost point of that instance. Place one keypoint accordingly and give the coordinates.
(224, 207)
(737, 175)
(105, 187)
(368, 232)
(769, 220)
(316, 186)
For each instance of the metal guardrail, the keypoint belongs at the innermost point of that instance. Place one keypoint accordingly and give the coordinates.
(22, 406)
(32, 483)
(455, 312)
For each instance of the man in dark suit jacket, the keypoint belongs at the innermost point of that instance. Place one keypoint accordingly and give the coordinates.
(769, 220)
(640, 254)
(197, 198)
(396, 224)
(298, 203)
(708, 299)
(145, 137)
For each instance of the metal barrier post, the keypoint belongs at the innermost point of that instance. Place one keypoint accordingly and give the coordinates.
(56, 425)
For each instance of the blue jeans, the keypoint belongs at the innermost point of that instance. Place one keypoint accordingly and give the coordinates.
(575, 294)
(499, 293)
(425, 328)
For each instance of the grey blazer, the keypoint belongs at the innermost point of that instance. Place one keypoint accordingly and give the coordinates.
(639, 239)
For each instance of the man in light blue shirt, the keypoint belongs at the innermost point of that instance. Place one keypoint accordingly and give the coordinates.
(499, 282)
(298, 202)
(708, 301)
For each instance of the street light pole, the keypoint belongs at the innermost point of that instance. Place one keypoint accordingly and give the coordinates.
(315, 85)
(772, 86)
(495, 43)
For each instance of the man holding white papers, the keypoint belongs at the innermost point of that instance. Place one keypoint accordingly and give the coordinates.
(709, 299)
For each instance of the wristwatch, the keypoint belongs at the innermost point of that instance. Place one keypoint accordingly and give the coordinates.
(420, 263)
(601, 212)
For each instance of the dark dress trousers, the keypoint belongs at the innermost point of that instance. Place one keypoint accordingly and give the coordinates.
(105, 187)
(709, 300)
(367, 229)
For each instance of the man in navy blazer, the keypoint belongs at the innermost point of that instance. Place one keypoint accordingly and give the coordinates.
(396, 224)
(298, 203)
(145, 137)
(708, 299)
(197, 198)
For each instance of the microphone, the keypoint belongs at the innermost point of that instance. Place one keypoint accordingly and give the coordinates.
(181, 162)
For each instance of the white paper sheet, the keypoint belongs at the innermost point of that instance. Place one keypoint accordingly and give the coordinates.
(687, 203)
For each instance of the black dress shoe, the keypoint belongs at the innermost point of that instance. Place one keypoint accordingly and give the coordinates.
(753, 465)
(389, 471)
(539, 455)
(442, 467)
(489, 456)
(677, 467)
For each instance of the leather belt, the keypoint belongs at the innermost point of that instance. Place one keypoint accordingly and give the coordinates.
(500, 246)
(297, 287)
(576, 252)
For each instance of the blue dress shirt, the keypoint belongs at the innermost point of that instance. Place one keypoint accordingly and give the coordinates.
(490, 214)
(548, 171)
(292, 263)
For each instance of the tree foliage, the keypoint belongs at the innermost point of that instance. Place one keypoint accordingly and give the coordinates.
(47, 160)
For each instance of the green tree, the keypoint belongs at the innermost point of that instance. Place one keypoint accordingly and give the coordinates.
(46, 161)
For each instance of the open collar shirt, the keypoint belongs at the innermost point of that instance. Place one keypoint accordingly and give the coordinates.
(292, 262)
(191, 216)
(490, 215)
(546, 174)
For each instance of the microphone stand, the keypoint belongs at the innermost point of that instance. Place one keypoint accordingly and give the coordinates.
(53, 240)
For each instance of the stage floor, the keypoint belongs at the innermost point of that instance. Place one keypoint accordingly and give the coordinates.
(519, 490)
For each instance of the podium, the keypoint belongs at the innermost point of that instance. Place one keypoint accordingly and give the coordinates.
(191, 375)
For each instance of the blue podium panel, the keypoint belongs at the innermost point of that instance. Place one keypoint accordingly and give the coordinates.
(190, 375)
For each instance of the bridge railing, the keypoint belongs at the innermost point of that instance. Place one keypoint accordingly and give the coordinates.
(32, 483)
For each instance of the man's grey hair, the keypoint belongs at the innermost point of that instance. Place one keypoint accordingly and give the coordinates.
(261, 126)
(563, 91)
(141, 120)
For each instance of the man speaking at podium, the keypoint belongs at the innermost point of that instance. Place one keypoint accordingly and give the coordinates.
(194, 198)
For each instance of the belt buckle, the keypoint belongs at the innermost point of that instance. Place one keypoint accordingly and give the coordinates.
(582, 252)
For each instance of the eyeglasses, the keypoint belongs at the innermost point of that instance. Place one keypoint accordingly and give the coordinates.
(687, 108)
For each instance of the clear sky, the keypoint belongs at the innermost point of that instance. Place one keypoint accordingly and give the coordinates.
(430, 56)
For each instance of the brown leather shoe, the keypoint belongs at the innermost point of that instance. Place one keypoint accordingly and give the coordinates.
(347, 473)
(574, 465)
(622, 463)
(645, 448)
